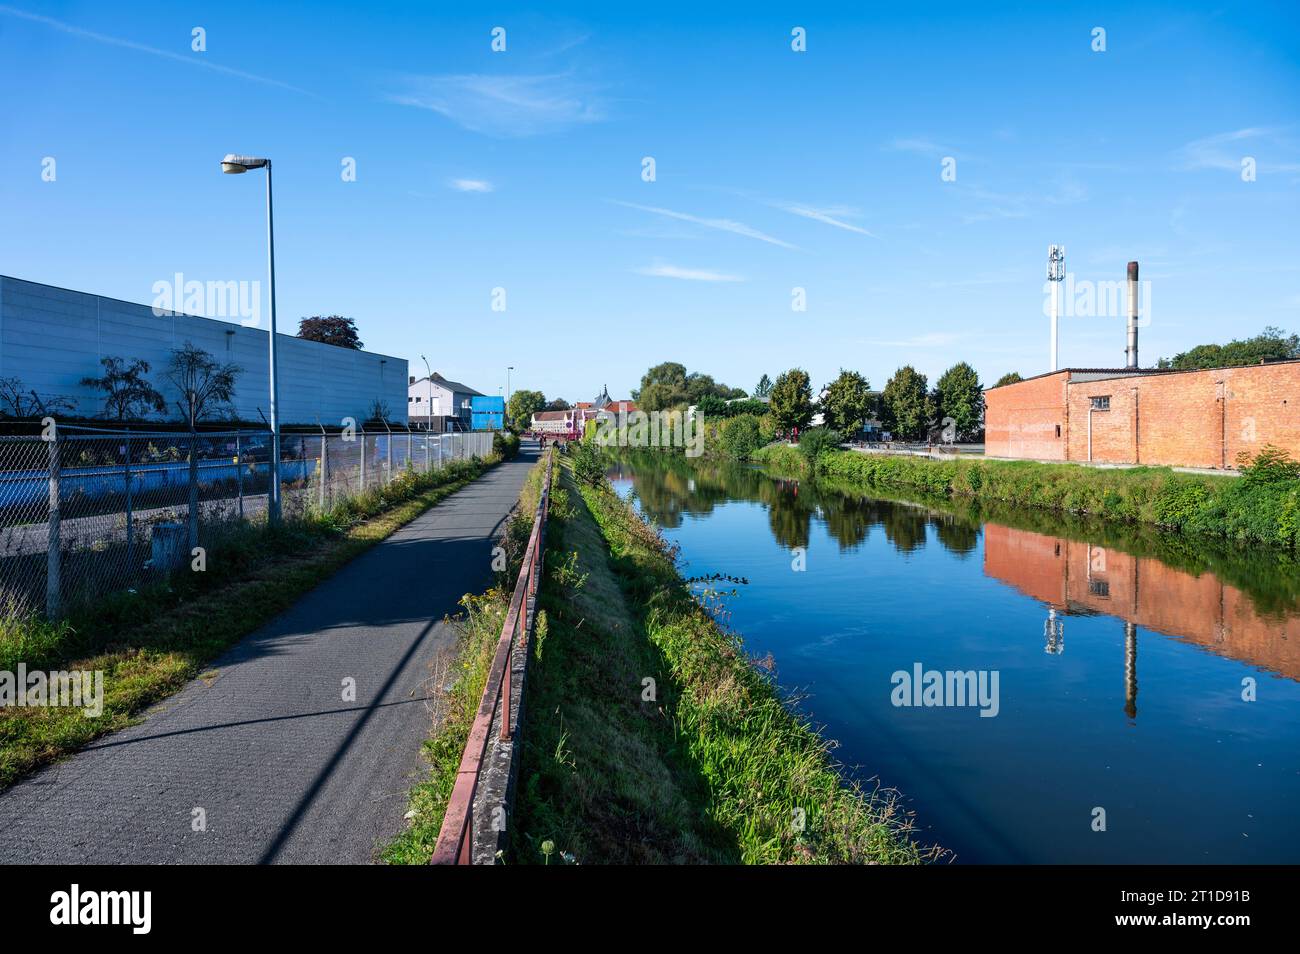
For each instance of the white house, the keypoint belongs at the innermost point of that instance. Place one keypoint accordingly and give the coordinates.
(435, 398)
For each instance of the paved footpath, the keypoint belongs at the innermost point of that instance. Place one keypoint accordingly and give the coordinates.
(284, 769)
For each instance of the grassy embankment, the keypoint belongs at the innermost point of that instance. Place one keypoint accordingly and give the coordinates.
(458, 681)
(1260, 507)
(705, 764)
(151, 642)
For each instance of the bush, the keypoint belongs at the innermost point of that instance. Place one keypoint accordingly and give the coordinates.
(588, 463)
(739, 436)
(1272, 465)
(505, 444)
(817, 439)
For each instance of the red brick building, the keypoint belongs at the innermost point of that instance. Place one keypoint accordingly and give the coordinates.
(1146, 416)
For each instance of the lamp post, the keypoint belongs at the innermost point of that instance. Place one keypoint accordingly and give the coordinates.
(237, 165)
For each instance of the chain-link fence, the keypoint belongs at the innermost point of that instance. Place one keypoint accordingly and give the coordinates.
(85, 513)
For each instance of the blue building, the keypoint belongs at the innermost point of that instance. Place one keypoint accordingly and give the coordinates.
(488, 413)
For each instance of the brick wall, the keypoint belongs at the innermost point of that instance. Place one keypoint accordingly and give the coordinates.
(1187, 419)
(1021, 420)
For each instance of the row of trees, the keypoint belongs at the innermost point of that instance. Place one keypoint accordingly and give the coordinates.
(907, 406)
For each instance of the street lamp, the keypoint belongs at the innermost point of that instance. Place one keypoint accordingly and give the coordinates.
(508, 370)
(237, 165)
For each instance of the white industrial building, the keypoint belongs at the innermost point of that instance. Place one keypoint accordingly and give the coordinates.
(445, 403)
(51, 338)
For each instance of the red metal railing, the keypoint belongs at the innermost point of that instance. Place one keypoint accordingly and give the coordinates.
(455, 839)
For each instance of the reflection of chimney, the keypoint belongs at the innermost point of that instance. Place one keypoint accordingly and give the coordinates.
(1132, 351)
(1130, 670)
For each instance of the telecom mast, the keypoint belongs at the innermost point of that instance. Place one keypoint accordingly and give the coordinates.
(1055, 275)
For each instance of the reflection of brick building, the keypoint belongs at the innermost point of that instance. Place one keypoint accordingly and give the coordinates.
(1177, 418)
(1076, 577)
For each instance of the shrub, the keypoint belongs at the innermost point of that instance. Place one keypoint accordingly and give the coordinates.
(588, 463)
(739, 436)
(1272, 465)
(817, 439)
(505, 444)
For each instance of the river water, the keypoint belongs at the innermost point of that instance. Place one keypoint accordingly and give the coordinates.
(1141, 696)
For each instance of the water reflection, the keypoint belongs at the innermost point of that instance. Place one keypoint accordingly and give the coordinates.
(1078, 577)
(1123, 655)
(1238, 604)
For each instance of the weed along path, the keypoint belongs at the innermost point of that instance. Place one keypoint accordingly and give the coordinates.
(301, 743)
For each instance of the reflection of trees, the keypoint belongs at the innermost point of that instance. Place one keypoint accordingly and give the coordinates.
(848, 521)
(905, 527)
(789, 516)
(957, 535)
(669, 486)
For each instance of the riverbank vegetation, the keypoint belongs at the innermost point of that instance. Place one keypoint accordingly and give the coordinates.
(650, 736)
(1262, 506)
(151, 641)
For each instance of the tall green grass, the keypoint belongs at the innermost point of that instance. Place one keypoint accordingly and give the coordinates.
(714, 766)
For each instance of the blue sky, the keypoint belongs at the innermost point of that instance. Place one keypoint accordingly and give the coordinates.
(775, 170)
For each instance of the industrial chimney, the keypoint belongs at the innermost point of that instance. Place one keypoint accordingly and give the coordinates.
(1131, 352)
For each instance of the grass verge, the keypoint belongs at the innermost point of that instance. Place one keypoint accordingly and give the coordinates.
(650, 737)
(457, 682)
(150, 643)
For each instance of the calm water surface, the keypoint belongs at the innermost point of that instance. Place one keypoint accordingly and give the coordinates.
(1122, 659)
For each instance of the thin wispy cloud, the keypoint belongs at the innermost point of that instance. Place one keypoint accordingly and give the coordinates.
(506, 106)
(722, 225)
(832, 216)
(193, 59)
(1225, 151)
(688, 274)
(470, 185)
(923, 147)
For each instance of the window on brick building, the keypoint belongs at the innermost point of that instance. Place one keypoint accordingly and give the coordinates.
(1099, 588)
(1101, 403)
(1058, 430)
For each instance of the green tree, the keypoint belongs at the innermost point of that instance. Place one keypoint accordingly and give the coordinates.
(557, 404)
(905, 405)
(331, 330)
(662, 387)
(521, 408)
(847, 402)
(792, 399)
(1271, 344)
(1011, 377)
(127, 393)
(959, 395)
(763, 388)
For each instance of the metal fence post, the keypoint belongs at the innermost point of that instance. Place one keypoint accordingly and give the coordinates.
(239, 473)
(324, 471)
(130, 517)
(388, 454)
(410, 447)
(53, 565)
(427, 468)
(194, 491)
(363, 459)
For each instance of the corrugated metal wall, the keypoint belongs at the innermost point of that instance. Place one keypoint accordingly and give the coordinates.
(51, 338)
